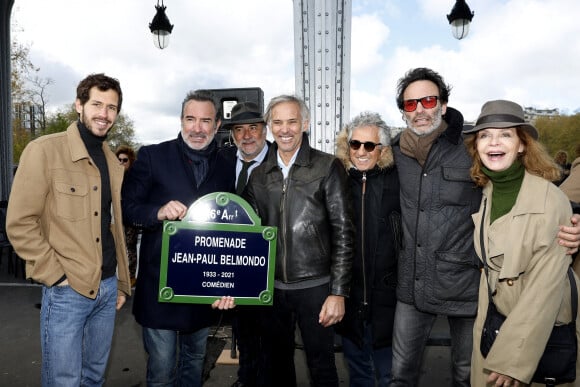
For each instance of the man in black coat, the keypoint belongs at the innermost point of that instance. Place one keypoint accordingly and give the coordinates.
(164, 181)
(364, 148)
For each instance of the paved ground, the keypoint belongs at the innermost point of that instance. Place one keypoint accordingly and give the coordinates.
(20, 347)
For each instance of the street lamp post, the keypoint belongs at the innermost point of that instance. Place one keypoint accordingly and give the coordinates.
(460, 18)
(5, 101)
(160, 27)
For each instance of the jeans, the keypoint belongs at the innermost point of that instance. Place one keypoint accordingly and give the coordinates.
(411, 331)
(300, 306)
(367, 367)
(175, 358)
(76, 334)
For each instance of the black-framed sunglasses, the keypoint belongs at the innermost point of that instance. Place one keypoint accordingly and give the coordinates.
(123, 160)
(429, 102)
(368, 145)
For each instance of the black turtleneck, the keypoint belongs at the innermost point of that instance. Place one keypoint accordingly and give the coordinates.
(94, 145)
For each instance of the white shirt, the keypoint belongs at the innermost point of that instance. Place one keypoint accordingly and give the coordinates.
(258, 160)
(286, 168)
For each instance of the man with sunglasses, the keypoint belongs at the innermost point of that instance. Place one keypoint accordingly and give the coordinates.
(126, 156)
(364, 147)
(438, 270)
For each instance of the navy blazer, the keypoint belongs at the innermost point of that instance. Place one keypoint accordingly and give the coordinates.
(161, 174)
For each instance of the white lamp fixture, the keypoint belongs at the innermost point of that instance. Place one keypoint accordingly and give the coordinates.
(160, 27)
(460, 18)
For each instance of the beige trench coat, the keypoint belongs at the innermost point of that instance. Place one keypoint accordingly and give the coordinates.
(528, 271)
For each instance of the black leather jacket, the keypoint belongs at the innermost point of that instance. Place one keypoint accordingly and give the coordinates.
(312, 211)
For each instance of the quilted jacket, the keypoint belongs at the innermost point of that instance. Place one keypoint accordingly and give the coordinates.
(438, 268)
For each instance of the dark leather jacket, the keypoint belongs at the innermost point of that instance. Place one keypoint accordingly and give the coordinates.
(312, 211)
(438, 267)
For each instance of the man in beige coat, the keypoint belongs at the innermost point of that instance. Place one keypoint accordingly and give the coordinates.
(64, 219)
(571, 186)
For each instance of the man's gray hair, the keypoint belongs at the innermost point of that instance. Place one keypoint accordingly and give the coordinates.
(304, 111)
(370, 119)
(200, 95)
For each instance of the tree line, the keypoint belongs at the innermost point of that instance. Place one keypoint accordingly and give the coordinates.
(560, 133)
(30, 96)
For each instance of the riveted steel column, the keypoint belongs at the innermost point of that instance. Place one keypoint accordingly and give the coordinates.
(322, 65)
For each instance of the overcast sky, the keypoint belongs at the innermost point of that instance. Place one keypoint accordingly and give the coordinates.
(524, 50)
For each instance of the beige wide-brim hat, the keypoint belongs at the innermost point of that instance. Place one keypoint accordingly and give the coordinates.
(502, 114)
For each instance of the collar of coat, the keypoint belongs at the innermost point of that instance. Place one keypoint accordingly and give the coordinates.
(525, 203)
(77, 147)
(302, 159)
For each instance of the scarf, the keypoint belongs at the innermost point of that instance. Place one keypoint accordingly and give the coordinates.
(418, 147)
(198, 160)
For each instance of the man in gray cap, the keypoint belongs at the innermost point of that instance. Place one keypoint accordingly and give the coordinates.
(248, 131)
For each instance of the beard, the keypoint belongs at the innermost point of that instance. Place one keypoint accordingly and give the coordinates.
(436, 117)
(93, 127)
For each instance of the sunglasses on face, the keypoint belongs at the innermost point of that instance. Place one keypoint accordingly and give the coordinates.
(123, 160)
(369, 145)
(410, 105)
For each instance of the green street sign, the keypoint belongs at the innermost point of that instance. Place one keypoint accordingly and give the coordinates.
(218, 249)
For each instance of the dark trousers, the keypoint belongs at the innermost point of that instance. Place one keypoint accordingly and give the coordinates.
(303, 307)
(249, 324)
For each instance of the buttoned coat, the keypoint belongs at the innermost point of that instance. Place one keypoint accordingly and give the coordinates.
(162, 173)
(53, 219)
(528, 273)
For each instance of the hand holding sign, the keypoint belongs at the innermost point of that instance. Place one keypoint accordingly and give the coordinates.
(172, 210)
(224, 303)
